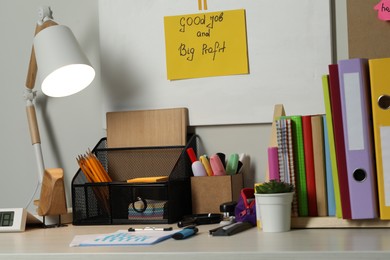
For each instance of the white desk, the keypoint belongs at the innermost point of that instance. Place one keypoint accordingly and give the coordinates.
(250, 244)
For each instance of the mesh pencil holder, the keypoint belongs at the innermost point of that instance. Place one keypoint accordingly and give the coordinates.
(119, 202)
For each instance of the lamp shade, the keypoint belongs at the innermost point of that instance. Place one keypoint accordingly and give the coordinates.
(62, 67)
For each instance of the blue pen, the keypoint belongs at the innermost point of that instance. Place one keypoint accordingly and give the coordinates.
(185, 232)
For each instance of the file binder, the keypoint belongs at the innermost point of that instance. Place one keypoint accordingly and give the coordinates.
(380, 100)
(356, 111)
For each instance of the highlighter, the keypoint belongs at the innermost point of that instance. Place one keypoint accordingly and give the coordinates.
(206, 164)
(197, 166)
(273, 163)
(222, 157)
(245, 162)
(240, 164)
(232, 164)
(217, 166)
(185, 233)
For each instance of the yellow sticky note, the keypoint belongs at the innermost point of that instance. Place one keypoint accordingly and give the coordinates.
(206, 44)
(148, 179)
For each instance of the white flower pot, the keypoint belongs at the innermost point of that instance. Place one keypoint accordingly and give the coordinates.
(274, 211)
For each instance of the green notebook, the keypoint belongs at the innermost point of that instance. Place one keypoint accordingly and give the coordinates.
(299, 158)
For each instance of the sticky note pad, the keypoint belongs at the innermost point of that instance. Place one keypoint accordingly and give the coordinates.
(148, 179)
(206, 44)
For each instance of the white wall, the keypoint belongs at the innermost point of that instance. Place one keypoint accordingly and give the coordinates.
(139, 52)
(75, 123)
(71, 124)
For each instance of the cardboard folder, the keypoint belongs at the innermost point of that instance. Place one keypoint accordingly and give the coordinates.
(145, 129)
(380, 100)
(359, 150)
(142, 128)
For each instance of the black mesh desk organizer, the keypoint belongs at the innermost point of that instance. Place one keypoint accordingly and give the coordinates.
(119, 202)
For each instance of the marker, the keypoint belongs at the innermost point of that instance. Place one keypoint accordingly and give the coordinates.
(273, 163)
(240, 164)
(192, 155)
(222, 157)
(197, 166)
(206, 164)
(245, 160)
(232, 164)
(150, 229)
(217, 166)
(185, 232)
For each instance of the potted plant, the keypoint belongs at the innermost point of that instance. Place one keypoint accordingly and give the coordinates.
(273, 205)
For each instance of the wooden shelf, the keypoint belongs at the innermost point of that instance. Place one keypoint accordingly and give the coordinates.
(333, 222)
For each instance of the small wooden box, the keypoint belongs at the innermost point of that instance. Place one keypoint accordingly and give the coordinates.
(209, 192)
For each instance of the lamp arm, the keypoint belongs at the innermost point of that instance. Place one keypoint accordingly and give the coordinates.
(32, 67)
(52, 198)
(29, 96)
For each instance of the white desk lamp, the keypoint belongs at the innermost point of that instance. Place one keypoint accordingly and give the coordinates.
(64, 70)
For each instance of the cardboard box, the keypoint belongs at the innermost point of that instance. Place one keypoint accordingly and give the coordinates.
(209, 192)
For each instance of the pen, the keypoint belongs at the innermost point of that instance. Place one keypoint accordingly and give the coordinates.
(150, 229)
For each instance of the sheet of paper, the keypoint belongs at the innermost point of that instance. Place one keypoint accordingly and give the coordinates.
(385, 144)
(206, 44)
(122, 238)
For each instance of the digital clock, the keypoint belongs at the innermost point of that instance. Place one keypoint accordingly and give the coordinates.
(6, 218)
(13, 219)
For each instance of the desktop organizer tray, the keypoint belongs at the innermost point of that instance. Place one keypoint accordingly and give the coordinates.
(119, 202)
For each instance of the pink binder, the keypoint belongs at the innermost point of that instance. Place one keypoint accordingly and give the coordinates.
(356, 111)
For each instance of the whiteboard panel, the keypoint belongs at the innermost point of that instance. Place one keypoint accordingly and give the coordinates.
(289, 49)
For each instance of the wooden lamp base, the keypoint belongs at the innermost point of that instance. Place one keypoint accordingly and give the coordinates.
(52, 200)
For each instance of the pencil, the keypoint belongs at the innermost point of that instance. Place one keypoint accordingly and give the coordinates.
(92, 168)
